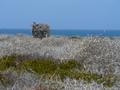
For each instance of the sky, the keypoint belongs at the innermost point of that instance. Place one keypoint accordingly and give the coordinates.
(60, 14)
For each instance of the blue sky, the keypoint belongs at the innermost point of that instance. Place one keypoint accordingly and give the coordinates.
(61, 14)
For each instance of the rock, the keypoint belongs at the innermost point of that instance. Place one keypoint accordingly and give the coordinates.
(40, 30)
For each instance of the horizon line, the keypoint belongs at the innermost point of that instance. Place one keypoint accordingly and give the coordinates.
(54, 29)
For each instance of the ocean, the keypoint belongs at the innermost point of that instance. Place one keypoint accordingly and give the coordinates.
(65, 32)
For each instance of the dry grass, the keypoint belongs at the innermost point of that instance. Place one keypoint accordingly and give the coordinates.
(98, 54)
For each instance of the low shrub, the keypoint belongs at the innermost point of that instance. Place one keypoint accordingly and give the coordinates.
(48, 67)
(7, 62)
(41, 66)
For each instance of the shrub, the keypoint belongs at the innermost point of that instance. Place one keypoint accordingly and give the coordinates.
(49, 68)
(70, 64)
(7, 62)
(40, 66)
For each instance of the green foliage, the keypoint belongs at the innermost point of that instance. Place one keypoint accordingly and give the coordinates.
(40, 66)
(48, 67)
(7, 62)
(70, 64)
(109, 80)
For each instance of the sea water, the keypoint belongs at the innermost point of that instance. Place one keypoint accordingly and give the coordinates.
(65, 32)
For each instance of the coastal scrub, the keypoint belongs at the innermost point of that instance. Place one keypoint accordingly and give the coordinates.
(7, 62)
(50, 68)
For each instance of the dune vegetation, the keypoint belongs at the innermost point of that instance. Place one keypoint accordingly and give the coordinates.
(61, 63)
(48, 67)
